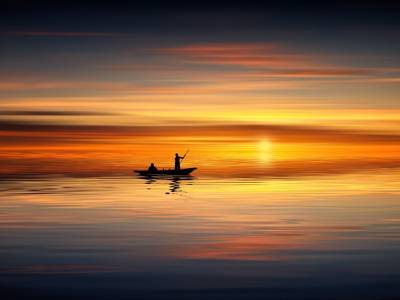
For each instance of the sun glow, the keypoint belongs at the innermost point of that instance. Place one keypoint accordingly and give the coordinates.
(264, 150)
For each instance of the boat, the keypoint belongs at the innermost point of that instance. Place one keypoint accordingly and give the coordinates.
(185, 171)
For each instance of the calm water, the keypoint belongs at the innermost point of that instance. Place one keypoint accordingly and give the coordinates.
(329, 237)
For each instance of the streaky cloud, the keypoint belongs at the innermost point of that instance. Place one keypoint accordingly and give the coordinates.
(61, 34)
(53, 113)
(276, 132)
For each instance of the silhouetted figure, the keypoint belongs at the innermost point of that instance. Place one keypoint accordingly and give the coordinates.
(178, 160)
(152, 168)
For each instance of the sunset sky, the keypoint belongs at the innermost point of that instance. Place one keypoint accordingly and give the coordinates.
(288, 85)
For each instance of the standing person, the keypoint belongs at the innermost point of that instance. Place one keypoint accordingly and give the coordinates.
(178, 161)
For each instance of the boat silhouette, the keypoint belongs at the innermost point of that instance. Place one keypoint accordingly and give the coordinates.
(185, 171)
(152, 170)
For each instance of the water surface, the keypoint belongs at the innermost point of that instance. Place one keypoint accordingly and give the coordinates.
(311, 237)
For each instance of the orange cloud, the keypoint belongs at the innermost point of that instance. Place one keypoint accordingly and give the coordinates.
(23, 85)
(275, 60)
(279, 133)
(245, 55)
(294, 151)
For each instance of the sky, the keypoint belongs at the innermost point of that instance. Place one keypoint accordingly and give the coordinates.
(109, 85)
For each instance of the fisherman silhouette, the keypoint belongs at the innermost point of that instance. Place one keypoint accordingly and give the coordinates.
(178, 160)
(152, 168)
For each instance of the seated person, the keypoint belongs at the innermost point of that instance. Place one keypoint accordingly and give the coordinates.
(152, 168)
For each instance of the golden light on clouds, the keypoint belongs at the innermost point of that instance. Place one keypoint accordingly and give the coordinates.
(257, 107)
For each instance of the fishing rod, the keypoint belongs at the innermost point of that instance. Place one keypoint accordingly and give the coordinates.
(187, 151)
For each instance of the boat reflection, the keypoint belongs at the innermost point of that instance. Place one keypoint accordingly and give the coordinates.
(174, 181)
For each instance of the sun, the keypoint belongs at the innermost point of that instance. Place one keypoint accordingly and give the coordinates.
(264, 150)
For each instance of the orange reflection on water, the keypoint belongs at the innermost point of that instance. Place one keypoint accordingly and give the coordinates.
(209, 218)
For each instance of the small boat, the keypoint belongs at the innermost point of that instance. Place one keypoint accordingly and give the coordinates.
(186, 171)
